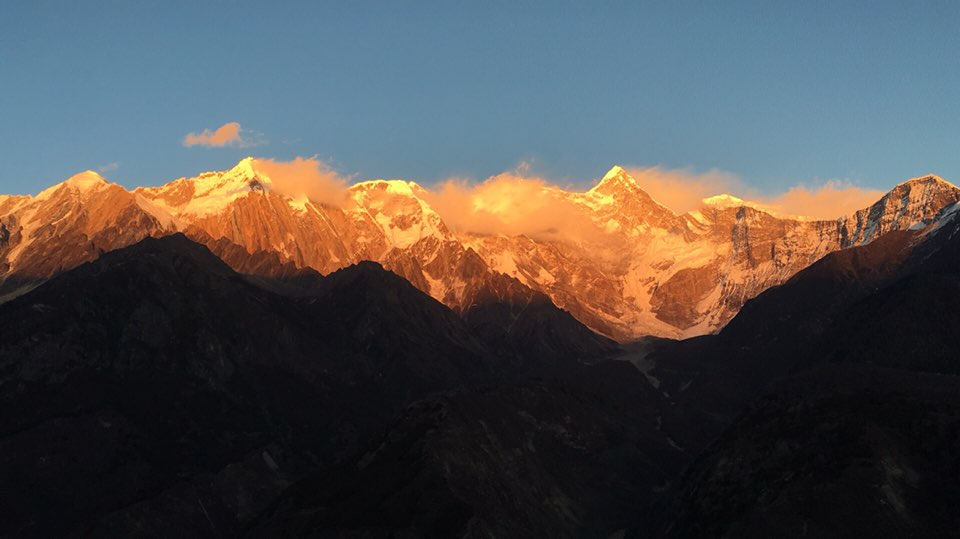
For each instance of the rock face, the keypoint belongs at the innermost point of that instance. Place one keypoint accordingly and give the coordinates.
(635, 269)
(66, 225)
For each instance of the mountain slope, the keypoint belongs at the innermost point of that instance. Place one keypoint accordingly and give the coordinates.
(850, 371)
(844, 450)
(577, 455)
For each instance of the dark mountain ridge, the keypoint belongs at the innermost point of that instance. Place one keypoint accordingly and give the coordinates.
(182, 398)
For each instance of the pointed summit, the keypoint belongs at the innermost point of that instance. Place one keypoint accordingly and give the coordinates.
(246, 174)
(245, 168)
(615, 171)
(86, 180)
(616, 180)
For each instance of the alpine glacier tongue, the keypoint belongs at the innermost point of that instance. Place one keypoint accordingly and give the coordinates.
(627, 266)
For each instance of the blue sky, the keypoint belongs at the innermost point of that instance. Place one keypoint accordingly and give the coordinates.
(777, 93)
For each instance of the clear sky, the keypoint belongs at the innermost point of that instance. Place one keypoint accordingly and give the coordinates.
(777, 93)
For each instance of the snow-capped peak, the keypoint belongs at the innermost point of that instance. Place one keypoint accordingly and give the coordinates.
(247, 173)
(243, 176)
(209, 193)
(614, 171)
(724, 201)
(84, 182)
(616, 179)
(245, 168)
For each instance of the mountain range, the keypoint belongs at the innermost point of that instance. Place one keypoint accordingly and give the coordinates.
(632, 268)
(171, 365)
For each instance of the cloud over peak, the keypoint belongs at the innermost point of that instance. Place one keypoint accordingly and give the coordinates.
(305, 178)
(511, 203)
(682, 190)
(515, 202)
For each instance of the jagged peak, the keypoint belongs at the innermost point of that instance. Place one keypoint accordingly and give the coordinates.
(245, 174)
(245, 167)
(616, 179)
(247, 171)
(208, 193)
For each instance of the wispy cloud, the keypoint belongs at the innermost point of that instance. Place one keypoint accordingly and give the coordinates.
(682, 190)
(518, 202)
(228, 134)
(511, 203)
(828, 200)
(109, 167)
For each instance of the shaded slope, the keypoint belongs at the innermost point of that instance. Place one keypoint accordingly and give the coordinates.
(841, 451)
(156, 372)
(519, 322)
(575, 456)
(855, 430)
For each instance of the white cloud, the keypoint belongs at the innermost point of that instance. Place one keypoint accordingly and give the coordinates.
(228, 134)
